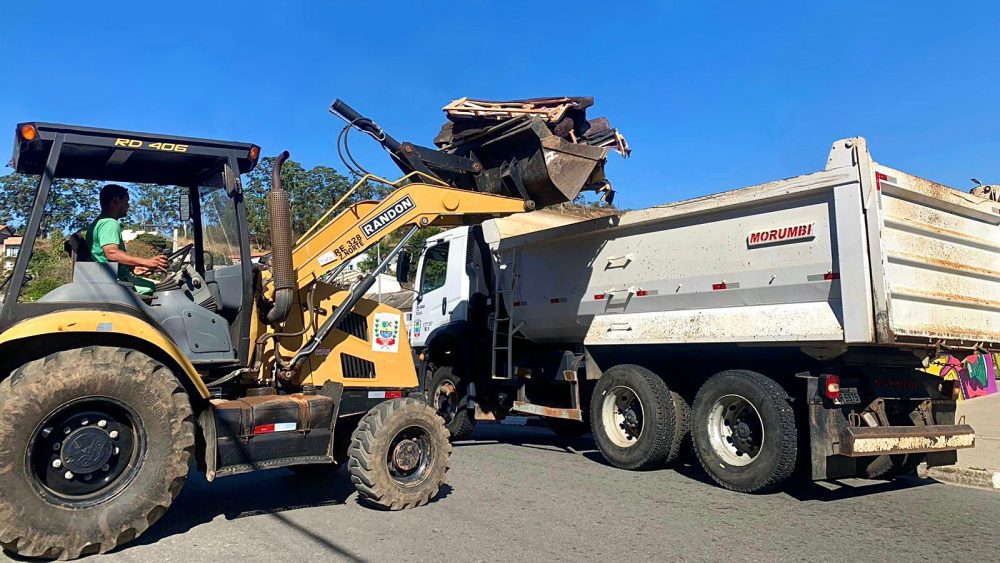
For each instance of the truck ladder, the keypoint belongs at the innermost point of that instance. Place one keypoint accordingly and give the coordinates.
(503, 327)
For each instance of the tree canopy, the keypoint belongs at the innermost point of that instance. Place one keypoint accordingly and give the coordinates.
(73, 204)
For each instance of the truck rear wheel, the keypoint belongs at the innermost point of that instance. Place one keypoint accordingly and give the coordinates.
(399, 455)
(682, 425)
(633, 418)
(97, 443)
(446, 391)
(744, 431)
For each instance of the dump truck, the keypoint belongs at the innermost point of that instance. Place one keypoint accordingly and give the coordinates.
(780, 325)
(108, 395)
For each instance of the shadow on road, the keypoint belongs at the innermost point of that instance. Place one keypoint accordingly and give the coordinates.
(799, 489)
(270, 493)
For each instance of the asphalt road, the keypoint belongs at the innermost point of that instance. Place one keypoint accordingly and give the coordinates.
(520, 494)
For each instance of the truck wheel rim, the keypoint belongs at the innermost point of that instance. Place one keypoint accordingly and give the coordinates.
(85, 452)
(735, 430)
(446, 400)
(621, 413)
(410, 455)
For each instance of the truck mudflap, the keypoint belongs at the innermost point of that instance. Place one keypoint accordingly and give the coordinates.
(882, 440)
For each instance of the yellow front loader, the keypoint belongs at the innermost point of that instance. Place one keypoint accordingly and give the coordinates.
(108, 396)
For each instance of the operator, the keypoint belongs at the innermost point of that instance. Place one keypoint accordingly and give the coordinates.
(104, 237)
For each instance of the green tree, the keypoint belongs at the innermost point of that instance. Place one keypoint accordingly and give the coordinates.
(153, 206)
(312, 193)
(160, 244)
(414, 246)
(71, 204)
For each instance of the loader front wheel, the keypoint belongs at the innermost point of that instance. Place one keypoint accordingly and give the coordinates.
(399, 455)
(96, 445)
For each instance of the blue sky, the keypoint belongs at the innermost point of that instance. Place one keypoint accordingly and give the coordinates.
(711, 95)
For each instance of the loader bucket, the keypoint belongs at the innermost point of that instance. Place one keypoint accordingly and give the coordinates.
(551, 169)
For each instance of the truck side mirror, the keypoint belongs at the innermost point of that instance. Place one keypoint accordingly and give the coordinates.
(403, 266)
(184, 206)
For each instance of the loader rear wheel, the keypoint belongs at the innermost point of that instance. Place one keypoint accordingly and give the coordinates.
(633, 419)
(446, 391)
(96, 445)
(399, 455)
(744, 431)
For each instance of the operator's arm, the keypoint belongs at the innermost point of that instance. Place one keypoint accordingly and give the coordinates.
(115, 254)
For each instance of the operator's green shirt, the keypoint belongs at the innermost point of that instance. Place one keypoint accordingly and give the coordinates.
(105, 231)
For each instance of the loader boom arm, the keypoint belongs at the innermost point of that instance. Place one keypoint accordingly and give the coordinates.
(363, 224)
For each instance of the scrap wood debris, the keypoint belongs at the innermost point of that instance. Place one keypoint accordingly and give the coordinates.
(566, 117)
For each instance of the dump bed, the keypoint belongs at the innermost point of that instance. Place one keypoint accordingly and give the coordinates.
(857, 253)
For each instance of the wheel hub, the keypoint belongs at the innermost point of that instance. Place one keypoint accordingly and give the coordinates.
(622, 416)
(406, 455)
(446, 400)
(86, 450)
(735, 430)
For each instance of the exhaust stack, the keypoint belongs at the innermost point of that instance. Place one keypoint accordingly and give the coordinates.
(282, 272)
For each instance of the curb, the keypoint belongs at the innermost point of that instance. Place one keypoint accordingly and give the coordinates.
(966, 476)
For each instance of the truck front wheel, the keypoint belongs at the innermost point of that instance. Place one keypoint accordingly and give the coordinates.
(744, 431)
(95, 446)
(446, 391)
(633, 419)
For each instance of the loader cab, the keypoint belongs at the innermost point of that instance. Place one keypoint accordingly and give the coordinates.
(204, 301)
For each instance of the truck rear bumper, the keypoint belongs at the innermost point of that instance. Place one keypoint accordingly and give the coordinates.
(881, 440)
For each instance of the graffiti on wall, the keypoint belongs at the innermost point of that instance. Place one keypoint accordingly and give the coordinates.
(977, 373)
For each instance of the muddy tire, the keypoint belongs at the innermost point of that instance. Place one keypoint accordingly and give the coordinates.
(445, 391)
(632, 417)
(399, 455)
(744, 431)
(96, 445)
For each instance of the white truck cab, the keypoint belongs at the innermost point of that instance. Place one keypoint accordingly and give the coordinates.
(442, 285)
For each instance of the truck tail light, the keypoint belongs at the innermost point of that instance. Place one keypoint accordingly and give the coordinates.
(831, 386)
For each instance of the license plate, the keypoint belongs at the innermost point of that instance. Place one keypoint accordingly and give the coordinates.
(848, 396)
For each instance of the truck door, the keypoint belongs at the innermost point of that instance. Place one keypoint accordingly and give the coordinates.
(439, 286)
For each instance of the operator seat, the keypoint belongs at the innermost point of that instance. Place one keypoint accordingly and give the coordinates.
(79, 251)
(76, 246)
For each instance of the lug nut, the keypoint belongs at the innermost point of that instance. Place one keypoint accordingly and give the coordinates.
(116, 450)
(106, 467)
(66, 430)
(46, 432)
(57, 463)
(68, 475)
(55, 447)
(102, 423)
(84, 422)
(88, 477)
(113, 434)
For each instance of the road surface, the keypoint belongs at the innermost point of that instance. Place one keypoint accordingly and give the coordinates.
(520, 494)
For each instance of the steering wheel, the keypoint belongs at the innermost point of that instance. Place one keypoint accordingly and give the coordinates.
(175, 261)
